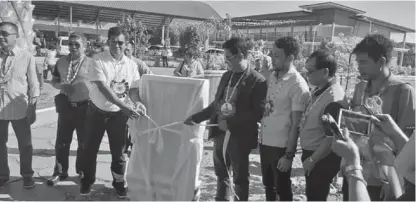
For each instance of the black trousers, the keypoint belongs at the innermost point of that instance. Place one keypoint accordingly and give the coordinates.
(276, 183)
(319, 180)
(69, 120)
(238, 160)
(165, 61)
(98, 122)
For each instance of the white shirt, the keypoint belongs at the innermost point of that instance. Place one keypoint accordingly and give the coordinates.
(284, 95)
(105, 68)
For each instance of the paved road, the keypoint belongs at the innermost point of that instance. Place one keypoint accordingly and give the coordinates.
(43, 140)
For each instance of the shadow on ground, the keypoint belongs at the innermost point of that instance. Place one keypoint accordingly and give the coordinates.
(50, 152)
(65, 191)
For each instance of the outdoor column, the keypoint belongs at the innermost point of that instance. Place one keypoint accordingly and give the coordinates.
(261, 32)
(275, 33)
(404, 46)
(59, 19)
(333, 31)
(70, 19)
(97, 21)
(163, 35)
(291, 30)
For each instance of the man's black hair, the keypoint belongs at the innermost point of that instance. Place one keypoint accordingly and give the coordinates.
(289, 45)
(14, 26)
(116, 31)
(325, 59)
(237, 45)
(376, 46)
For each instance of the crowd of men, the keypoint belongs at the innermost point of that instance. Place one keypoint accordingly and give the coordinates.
(270, 107)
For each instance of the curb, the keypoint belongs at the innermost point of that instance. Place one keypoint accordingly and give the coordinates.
(45, 110)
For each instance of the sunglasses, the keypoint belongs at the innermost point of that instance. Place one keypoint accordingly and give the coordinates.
(6, 34)
(120, 43)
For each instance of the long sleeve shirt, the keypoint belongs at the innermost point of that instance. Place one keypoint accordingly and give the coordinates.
(22, 84)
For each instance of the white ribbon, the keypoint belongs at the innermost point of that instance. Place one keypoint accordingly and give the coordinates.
(224, 155)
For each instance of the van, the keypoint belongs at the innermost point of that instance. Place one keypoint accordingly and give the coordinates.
(63, 48)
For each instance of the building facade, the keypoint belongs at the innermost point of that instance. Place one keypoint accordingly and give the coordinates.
(318, 22)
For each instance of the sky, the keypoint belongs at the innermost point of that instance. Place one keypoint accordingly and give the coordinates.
(396, 12)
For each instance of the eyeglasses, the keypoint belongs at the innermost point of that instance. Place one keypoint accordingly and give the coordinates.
(229, 57)
(77, 45)
(120, 43)
(6, 34)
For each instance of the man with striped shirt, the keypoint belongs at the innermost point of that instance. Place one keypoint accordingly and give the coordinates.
(19, 89)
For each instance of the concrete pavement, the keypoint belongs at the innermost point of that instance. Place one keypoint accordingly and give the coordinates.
(43, 140)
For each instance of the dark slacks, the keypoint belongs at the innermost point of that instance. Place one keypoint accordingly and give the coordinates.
(98, 122)
(238, 160)
(319, 180)
(70, 119)
(276, 183)
(24, 140)
(165, 61)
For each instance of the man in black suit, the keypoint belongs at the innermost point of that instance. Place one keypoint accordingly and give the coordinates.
(238, 107)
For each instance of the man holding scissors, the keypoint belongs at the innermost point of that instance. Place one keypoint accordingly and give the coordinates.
(380, 93)
(114, 79)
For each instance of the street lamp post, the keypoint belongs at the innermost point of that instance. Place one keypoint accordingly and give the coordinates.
(314, 35)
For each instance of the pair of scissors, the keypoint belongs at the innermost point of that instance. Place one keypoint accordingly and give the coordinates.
(374, 104)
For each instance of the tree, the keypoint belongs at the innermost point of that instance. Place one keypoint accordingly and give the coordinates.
(347, 68)
(137, 33)
(191, 40)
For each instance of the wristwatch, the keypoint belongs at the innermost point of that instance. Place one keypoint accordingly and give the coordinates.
(290, 155)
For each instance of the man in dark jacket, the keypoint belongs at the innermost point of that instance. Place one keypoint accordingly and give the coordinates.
(237, 108)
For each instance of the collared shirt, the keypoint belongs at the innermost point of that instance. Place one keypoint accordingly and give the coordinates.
(285, 95)
(398, 101)
(312, 132)
(22, 84)
(50, 57)
(106, 69)
(80, 82)
(141, 66)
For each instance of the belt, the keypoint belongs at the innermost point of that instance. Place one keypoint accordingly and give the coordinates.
(79, 103)
(93, 106)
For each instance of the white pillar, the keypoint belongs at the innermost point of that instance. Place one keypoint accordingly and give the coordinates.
(404, 46)
(163, 35)
(70, 18)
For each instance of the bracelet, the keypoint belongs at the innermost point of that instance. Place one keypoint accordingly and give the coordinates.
(358, 178)
(353, 167)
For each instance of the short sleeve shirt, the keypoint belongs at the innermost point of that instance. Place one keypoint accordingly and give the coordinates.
(284, 95)
(106, 69)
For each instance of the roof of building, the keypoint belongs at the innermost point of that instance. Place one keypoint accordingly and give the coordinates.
(327, 5)
(267, 16)
(308, 10)
(383, 23)
(151, 13)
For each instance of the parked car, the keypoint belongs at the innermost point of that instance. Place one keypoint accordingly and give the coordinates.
(155, 50)
(63, 48)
